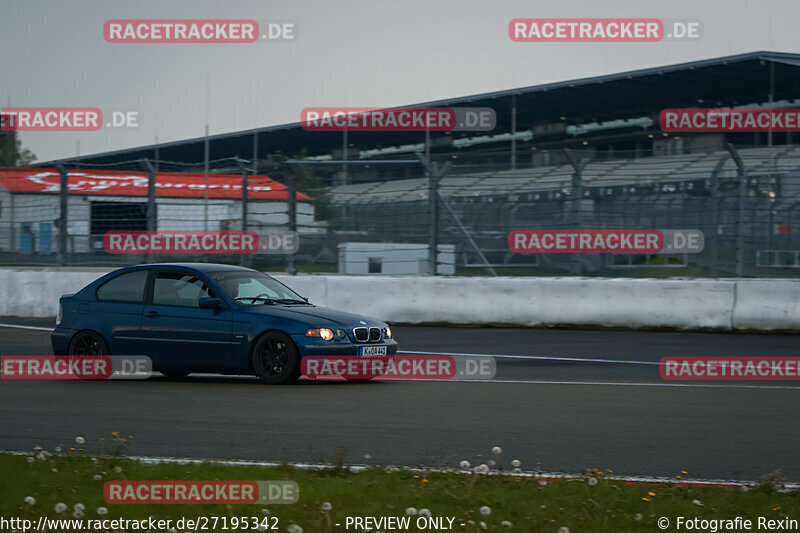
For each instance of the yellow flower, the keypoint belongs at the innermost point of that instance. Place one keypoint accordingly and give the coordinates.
(684, 472)
(646, 499)
(651, 493)
(776, 508)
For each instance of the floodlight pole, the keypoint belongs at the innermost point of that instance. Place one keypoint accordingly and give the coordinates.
(344, 157)
(151, 199)
(62, 215)
(291, 191)
(513, 132)
(741, 178)
(576, 196)
(715, 197)
(433, 200)
(245, 186)
(206, 155)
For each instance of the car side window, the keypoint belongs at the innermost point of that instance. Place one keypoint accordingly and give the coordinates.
(127, 287)
(255, 288)
(180, 288)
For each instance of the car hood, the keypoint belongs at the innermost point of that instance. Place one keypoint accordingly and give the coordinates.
(315, 316)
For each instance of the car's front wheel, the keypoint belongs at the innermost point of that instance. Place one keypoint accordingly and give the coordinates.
(275, 359)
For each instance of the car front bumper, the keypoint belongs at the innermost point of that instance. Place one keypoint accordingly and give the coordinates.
(311, 346)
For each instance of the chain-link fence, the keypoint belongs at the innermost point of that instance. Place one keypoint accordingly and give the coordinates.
(744, 201)
(386, 215)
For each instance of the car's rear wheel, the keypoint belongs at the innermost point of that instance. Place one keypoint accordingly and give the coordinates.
(275, 358)
(88, 343)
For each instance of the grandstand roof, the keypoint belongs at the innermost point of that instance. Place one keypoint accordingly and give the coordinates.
(719, 82)
(122, 183)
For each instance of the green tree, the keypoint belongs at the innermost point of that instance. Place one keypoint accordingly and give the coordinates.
(12, 154)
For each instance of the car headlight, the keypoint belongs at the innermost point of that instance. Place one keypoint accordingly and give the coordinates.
(58, 316)
(387, 332)
(324, 333)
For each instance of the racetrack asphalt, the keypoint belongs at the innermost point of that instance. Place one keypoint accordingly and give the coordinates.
(558, 415)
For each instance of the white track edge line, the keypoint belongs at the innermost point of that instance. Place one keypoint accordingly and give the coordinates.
(20, 326)
(147, 459)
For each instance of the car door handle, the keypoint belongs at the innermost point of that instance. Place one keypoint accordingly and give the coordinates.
(151, 314)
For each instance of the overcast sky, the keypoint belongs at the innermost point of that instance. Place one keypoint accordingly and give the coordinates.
(346, 53)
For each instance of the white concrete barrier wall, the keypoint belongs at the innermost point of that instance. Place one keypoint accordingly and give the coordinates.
(765, 304)
(628, 303)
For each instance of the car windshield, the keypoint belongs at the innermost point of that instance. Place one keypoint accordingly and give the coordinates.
(254, 288)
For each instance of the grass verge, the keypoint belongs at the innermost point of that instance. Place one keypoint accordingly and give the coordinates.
(477, 502)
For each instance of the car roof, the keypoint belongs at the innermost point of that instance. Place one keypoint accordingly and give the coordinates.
(200, 267)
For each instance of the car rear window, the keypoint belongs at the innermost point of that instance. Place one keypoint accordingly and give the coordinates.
(127, 287)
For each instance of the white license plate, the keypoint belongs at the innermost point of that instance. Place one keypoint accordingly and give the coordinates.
(372, 350)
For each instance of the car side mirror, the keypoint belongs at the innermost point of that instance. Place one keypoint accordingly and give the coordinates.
(210, 303)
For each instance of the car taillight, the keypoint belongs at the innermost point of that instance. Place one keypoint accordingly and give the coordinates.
(58, 316)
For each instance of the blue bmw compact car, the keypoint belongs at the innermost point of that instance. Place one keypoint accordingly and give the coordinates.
(198, 317)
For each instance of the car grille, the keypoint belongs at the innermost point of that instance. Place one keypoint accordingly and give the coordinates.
(367, 334)
(361, 334)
